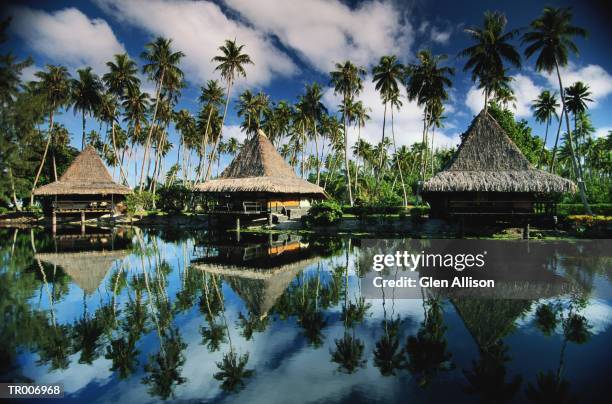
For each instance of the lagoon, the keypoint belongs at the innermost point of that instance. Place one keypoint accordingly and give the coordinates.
(130, 315)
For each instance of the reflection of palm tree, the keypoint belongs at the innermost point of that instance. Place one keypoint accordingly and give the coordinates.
(122, 351)
(387, 355)
(551, 387)
(427, 354)
(164, 368)
(348, 354)
(232, 371)
(487, 377)
(213, 336)
(349, 349)
(55, 347)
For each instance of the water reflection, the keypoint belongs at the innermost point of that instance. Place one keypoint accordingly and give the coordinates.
(129, 314)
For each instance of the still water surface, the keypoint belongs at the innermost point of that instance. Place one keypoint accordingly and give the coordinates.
(136, 315)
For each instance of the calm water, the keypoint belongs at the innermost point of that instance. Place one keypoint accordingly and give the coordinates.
(131, 315)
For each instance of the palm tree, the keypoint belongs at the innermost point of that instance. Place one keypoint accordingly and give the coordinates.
(486, 57)
(120, 79)
(576, 97)
(135, 107)
(301, 119)
(395, 103)
(315, 109)
(85, 95)
(231, 65)
(247, 109)
(426, 84)
(360, 112)
(54, 87)
(386, 76)
(347, 80)
(211, 97)
(161, 66)
(544, 108)
(551, 35)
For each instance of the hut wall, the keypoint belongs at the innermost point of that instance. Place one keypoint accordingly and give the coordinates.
(497, 203)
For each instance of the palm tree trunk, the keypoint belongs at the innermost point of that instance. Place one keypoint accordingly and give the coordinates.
(303, 147)
(544, 145)
(214, 150)
(204, 142)
(357, 157)
(148, 142)
(119, 162)
(346, 160)
(581, 189)
(42, 162)
(382, 142)
(399, 167)
(83, 137)
(13, 193)
(316, 139)
(554, 151)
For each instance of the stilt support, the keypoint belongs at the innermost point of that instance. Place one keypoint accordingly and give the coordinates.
(82, 222)
(54, 222)
(238, 229)
(526, 231)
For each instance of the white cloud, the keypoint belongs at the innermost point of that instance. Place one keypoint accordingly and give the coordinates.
(408, 121)
(595, 76)
(66, 36)
(440, 36)
(198, 29)
(602, 132)
(525, 91)
(323, 32)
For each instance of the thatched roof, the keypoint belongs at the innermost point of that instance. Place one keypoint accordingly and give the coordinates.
(86, 269)
(87, 175)
(260, 288)
(488, 160)
(260, 168)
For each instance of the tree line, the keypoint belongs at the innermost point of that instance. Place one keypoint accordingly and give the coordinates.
(133, 131)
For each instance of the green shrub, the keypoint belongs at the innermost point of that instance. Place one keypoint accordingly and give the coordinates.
(418, 213)
(173, 199)
(589, 226)
(324, 213)
(140, 201)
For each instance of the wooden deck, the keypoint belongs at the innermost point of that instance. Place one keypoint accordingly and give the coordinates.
(83, 206)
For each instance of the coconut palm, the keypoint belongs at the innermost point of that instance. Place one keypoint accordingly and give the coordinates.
(360, 113)
(161, 66)
(85, 94)
(315, 109)
(347, 80)
(576, 97)
(491, 49)
(395, 103)
(387, 75)
(135, 107)
(54, 87)
(552, 36)
(426, 84)
(231, 65)
(301, 121)
(121, 78)
(211, 97)
(247, 109)
(544, 108)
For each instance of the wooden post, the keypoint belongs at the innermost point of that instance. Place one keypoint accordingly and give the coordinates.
(82, 222)
(269, 219)
(526, 230)
(54, 222)
(237, 228)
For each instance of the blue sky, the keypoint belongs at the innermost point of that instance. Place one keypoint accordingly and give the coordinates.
(296, 42)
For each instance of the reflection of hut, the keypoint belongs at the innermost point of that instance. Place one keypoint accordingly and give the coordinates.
(257, 183)
(85, 188)
(87, 269)
(259, 274)
(86, 258)
(488, 175)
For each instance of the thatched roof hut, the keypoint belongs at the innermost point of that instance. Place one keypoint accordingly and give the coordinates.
(87, 175)
(488, 161)
(260, 288)
(86, 269)
(259, 168)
